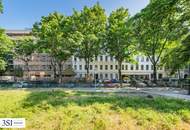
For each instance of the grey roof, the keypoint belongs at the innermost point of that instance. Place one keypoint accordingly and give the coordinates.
(26, 31)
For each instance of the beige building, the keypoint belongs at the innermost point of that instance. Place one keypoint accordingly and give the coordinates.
(40, 65)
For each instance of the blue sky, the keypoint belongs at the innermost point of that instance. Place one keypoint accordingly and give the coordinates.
(20, 14)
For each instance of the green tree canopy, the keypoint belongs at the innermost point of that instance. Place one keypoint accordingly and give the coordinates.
(55, 36)
(91, 23)
(6, 48)
(1, 6)
(155, 29)
(24, 49)
(118, 39)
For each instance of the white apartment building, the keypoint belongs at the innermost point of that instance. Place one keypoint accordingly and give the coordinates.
(106, 67)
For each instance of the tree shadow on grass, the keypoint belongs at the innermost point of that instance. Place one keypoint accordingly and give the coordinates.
(62, 98)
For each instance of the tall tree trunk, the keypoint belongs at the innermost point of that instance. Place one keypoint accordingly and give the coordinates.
(179, 77)
(60, 72)
(189, 81)
(87, 69)
(53, 64)
(154, 73)
(178, 71)
(120, 74)
(28, 70)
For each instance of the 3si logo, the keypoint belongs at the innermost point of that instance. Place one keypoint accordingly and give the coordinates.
(7, 122)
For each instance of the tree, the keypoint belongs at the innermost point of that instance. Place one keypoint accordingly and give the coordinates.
(155, 29)
(56, 37)
(6, 48)
(118, 39)
(5, 45)
(1, 6)
(23, 51)
(91, 23)
(173, 60)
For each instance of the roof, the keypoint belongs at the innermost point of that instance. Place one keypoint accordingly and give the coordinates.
(18, 32)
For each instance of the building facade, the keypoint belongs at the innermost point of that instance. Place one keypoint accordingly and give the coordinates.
(106, 67)
(103, 67)
(40, 66)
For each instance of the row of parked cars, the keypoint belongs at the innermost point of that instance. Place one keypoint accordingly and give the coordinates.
(166, 82)
(32, 84)
(21, 84)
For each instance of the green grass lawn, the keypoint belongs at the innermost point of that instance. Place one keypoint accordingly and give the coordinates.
(70, 110)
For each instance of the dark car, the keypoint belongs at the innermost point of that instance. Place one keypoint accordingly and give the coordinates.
(115, 81)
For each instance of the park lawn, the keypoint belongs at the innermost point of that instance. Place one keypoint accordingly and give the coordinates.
(71, 110)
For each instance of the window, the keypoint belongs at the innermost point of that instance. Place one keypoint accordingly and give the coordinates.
(101, 67)
(91, 67)
(147, 59)
(85, 67)
(116, 67)
(111, 58)
(106, 76)
(106, 67)
(126, 67)
(111, 67)
(147, 67)
(96, 58)
(116, 76)
(80, 75)
(142, 67)
(75, 67)
(111, 76)
(75, 59)
(142, 59)
(123, 67)
(137, 58)
(131, 67)
(101, 58)
(106, 58)
(50, 67)
(96, 67)
(43, 59)
(137, 67)
(80, 67)
(160, 76)
(101, 76)
(44, 67)
(152, 67)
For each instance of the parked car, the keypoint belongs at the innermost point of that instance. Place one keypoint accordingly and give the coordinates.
(20, 84)
(68, 85)
(107, 81)
(125, 81)
(171, 82)
(137, 83)
(111, 85)
(98, 85)
(115, 81)
(141, 84)
(6, 84)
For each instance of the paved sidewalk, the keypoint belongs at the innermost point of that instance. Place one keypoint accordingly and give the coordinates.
(167, 92)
